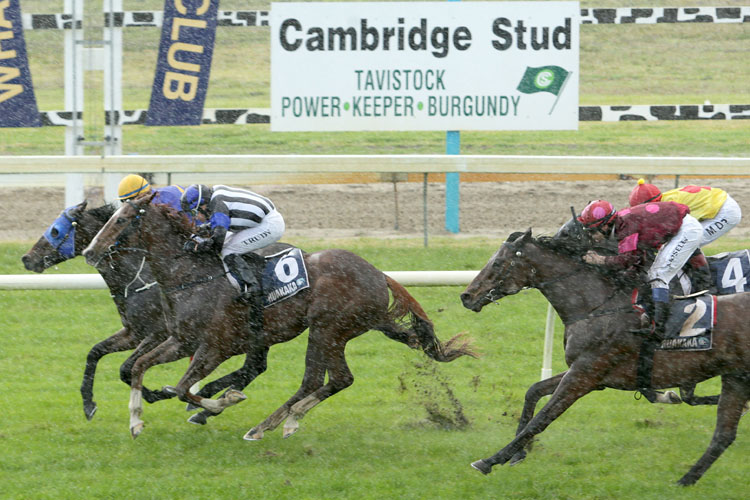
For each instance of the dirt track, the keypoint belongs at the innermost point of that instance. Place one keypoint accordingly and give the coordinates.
(348, 210)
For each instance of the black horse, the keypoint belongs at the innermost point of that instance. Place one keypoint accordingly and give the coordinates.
(601, 349)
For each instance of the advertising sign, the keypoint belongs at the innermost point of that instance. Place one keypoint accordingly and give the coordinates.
(17, 102)
(184, 62)
(424, 66)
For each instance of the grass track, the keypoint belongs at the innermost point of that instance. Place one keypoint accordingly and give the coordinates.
(371, 441)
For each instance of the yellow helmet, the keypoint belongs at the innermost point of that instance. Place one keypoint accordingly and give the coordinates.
(131, 186)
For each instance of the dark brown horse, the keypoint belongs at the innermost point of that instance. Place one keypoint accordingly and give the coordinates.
(346, 298)
(130, 283)
(136, 296)
(600, 350)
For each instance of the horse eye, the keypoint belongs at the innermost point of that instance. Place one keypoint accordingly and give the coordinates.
(55, 233)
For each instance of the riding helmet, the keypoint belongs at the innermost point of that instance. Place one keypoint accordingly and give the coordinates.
(597, 213)
(644, 193)
(132, 186)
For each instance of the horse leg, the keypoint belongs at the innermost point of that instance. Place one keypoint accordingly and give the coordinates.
(205, 360)
(146, 345)
(256, 363)
(687, 393)
(536, 392)
(313, 379)
(735, 391)
(118, 342)
(169, 350)
(573, 385)
(339, 378)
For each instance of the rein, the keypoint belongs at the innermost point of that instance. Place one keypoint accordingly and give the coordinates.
(593, 313)
(191, 284)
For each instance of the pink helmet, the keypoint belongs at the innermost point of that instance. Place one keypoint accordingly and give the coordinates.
(597, 213)
(644, 193)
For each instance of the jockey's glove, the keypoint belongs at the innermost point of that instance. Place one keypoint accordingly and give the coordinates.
(205, 246)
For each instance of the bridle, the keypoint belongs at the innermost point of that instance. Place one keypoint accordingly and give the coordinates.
(115, 248)
(135, 224)
(510, 264)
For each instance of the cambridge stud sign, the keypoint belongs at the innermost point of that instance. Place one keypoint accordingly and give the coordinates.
(424, 66)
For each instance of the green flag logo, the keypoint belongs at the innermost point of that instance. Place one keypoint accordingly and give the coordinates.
(545, 79)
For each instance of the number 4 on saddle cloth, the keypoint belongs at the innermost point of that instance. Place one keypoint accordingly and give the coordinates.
(691, 319)
(284, 275)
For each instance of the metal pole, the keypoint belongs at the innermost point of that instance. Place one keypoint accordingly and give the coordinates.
(424, 207)
(549, 334)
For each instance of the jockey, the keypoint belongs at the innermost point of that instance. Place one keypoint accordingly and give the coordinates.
(241, 221)
(133, 186)
(664, 227)
(717, 212)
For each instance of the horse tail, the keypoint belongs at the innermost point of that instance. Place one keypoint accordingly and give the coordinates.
(420, 332)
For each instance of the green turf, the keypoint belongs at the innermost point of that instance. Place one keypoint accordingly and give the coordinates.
(374, 440)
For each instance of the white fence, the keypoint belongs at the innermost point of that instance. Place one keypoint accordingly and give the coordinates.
(95, 281)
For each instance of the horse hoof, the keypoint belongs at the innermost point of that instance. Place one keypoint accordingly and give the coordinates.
(289, 431)
(191, 407)
(252, 435)
(517, 458)
(89, 411)
(672, 398)
(233, 396)
(198, 419)
(169, 390)
(136, 430)
(482, 467)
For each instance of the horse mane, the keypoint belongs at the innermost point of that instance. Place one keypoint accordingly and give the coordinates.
(620, 279)
(177, 219)
(103, 213)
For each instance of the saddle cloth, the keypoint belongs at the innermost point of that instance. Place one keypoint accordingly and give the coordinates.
(284, 275)
(690, 323)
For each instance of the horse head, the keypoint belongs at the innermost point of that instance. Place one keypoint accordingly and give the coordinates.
(507, 272)
(58, 243)
(108, 238)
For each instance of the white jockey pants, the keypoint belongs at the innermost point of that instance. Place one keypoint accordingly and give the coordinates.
(675, 253)
(268, 231)
(728, 216)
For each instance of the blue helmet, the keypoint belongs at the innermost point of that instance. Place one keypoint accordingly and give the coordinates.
(195, 196)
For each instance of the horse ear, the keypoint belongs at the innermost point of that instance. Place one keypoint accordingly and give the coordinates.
(526, 236)
(82, 206)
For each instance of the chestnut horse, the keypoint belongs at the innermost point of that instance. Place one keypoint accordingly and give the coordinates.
(600, 350)
(347, 297)
(135, 293)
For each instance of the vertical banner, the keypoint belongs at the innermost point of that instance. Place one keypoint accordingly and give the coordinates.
(344, 66)
(17, 102)
(184, 62)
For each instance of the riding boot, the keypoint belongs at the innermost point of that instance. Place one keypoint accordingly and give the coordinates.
(245, 275)
(700, 273)
(661, 315)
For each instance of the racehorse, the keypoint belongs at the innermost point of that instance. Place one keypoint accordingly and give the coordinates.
(129, 281)
(600, 350)
(578, 242)
(347, 297)
(135, 293)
